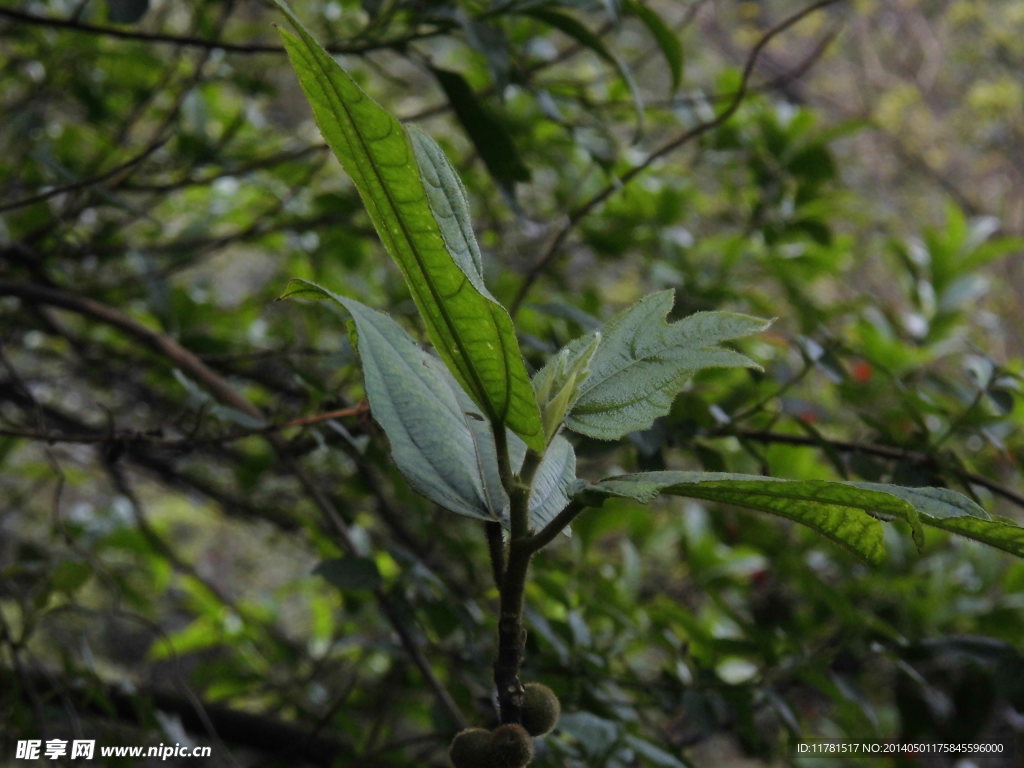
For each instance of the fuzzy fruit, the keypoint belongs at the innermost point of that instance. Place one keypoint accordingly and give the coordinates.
(511, 747)
(541, 709)
(471, 748)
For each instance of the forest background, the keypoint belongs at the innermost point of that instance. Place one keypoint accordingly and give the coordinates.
(170, 574)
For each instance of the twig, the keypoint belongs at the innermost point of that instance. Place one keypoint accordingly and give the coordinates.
(226, 394)
(205, 43)
(153, 437)
(585, 208)
(84, 183)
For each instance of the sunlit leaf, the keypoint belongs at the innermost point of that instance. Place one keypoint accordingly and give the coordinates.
(472, 332)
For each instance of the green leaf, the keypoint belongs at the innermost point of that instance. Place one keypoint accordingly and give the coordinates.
(69, 575)
(557, 384)
(951, 511)
(440, 441)
(569, 26)
(472, 332)
(349, 573)
(667, 40)
(424, 413)
(553, 483)
(843, 513)
(847, 513)
(643, 361)
(489, 135)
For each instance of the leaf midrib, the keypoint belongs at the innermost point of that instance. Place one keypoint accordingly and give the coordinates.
(463, 349)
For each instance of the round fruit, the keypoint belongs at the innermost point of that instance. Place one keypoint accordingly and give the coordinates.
(511, 747)
(471, 748)
(541, 709)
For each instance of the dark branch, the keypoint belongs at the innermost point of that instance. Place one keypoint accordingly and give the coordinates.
(204, 43)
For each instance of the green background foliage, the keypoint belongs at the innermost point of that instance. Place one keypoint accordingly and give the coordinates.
(203, 537)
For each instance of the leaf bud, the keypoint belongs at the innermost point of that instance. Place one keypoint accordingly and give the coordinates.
(511, 747)
(471, 748)
(541, 709)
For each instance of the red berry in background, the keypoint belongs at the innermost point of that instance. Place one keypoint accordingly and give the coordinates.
(862, 371)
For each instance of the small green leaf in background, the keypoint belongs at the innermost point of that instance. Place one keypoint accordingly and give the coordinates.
(349, 573)
(69, 575)
(642, 362)
(667, 40)
(489, 135)
(472, 332)
(570, 27)
(126, 11)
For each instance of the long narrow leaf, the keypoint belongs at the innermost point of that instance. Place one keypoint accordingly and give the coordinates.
(846, 514)
(471, 331)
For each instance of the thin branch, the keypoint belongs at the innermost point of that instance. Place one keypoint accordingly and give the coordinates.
(154, 437)
(85, 183)
(548, 533)
(882, 451)
(205, 43)
(232, 725)
(584, 209)
(196, 369)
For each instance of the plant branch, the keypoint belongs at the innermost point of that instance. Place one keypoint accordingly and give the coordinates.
(558, 524)
(226, 394)
(496, 549)
(205, 43)
(114, 172)
(154, 437)
(584, 209)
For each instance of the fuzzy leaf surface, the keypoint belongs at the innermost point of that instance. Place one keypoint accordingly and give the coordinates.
(471, 331)
(423, 412)
(848, 513)
(844, 513)
(643, 361)
(951, 511)
(553, 482)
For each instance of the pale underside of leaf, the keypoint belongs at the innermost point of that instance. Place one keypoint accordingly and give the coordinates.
(951, 511)
(472, 333)
(423, 412)
(440, 440)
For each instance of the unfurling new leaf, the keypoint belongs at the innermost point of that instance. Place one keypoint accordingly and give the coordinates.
(641, 361)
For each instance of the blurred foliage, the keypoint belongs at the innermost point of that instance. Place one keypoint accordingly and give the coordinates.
(166, 577)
